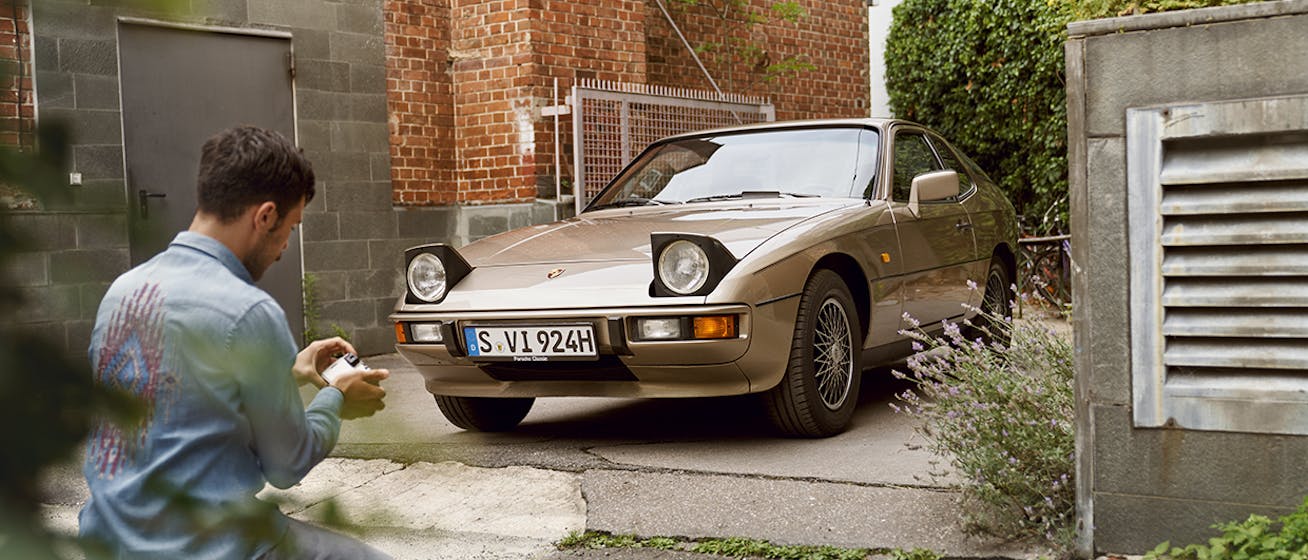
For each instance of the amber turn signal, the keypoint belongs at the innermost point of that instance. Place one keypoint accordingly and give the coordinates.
(399, 333)
(715, 326)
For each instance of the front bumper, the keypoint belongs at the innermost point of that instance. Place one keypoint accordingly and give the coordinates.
(752, 361)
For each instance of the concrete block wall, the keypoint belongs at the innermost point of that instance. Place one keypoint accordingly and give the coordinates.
(353, 237)
(1138, 487)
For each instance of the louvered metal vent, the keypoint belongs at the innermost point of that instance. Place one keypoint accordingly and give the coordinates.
(1219, 237)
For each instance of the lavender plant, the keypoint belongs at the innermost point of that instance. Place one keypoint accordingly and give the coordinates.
(1002, 414)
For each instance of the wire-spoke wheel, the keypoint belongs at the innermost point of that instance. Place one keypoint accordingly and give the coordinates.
(818, 394)
(832, 353)
(996, 304)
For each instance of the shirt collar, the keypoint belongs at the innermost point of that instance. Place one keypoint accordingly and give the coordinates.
(215, 249)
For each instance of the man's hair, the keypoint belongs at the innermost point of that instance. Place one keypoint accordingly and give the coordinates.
(245, 166)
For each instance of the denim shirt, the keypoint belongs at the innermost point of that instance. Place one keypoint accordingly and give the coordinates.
(209, 355)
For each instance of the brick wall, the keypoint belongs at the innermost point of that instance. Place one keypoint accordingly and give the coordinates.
(832, 37)
(466, 79)
(579, 40)
(486, 143)
(16, 111)
(492, 70)
(420, 101)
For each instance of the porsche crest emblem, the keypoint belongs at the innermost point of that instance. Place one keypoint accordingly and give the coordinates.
(555, 273)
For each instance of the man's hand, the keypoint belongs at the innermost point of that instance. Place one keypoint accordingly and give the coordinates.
(315, 357)
(363, 392)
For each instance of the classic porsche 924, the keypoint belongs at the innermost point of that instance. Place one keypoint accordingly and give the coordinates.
(778, 259)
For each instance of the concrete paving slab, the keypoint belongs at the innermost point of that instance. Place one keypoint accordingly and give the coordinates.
(780, 511)
(516, 502)
(897, 456)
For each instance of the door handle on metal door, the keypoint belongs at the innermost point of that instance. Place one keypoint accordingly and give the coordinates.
(963, 226)
(142, 196)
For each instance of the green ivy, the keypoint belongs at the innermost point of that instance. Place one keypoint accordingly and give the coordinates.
(990, 76)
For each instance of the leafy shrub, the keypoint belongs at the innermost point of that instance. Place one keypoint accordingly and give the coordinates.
(990, 76)
(1002, 414)
(1254, 539)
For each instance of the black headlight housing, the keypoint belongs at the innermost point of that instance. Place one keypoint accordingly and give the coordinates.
(720, 262)
(456, 269)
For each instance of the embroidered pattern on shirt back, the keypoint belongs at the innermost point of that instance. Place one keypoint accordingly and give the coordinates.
(131, 359)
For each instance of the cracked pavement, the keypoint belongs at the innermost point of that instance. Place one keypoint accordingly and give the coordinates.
(413, 485)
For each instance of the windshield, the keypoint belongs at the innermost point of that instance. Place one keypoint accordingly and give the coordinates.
(825, 162)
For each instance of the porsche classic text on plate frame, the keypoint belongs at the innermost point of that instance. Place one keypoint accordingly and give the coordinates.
(530, 343)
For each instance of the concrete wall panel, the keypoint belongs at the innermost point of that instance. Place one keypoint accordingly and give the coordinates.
(1145, 486)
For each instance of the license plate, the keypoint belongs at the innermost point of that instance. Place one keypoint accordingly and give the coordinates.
(531, 343)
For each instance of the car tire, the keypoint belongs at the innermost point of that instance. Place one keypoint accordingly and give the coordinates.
(480, 414)
(996, 304)
(818, 394)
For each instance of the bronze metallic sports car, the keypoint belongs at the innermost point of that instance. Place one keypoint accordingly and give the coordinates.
(777, 259)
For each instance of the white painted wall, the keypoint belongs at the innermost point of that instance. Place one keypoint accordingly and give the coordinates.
(878, 26)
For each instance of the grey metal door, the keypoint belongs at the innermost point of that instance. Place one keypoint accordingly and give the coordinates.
(179, 87)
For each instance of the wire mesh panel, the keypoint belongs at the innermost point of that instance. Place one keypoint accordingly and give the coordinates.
(612, 122)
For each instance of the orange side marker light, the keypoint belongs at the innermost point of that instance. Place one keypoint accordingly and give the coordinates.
(715, 326)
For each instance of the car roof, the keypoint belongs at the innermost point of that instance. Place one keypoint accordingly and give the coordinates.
(880, 123)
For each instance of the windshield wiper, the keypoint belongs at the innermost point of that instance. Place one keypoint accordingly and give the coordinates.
(631, 201)
(752, 194)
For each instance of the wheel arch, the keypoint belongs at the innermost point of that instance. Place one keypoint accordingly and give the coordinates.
(1005, 253)
(855, 279)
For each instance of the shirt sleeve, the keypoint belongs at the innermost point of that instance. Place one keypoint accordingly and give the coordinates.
(288, 438)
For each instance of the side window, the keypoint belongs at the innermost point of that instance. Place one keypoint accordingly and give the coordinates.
(913, 157)
(946, 153)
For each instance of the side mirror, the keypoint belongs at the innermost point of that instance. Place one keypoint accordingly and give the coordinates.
(933, 186)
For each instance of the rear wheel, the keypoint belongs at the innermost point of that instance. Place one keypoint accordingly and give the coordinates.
(996, 304)
(484, 414)
(819, 392)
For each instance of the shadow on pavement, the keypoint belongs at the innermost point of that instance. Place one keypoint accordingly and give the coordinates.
(695, 419)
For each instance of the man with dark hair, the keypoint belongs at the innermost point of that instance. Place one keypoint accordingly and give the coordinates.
(213, 362)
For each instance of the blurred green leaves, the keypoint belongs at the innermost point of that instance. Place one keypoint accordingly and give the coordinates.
(48, 399)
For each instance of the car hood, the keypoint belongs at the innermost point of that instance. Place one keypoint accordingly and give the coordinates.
(623, 234)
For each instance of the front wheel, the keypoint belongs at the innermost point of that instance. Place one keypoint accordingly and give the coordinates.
(819, 392)
(484, 414)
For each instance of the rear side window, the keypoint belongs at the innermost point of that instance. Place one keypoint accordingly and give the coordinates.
(966, 174)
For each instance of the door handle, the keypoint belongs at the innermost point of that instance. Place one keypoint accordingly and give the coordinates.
(963, 226)
(142, 196)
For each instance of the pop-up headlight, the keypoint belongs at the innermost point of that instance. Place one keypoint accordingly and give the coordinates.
(431, 271)
(687, 264)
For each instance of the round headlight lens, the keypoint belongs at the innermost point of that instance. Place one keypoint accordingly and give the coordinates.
(427, 277)
(683, 267)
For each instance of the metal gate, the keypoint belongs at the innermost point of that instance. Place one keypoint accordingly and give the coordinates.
(612, 122)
